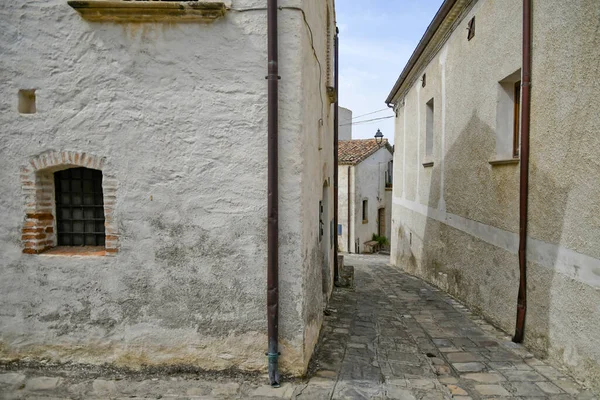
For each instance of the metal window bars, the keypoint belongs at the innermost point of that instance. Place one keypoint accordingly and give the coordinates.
(79, 207)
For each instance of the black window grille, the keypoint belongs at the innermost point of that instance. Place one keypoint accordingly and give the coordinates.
(79, 207)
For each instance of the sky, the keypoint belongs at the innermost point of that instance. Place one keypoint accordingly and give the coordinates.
(377, 38)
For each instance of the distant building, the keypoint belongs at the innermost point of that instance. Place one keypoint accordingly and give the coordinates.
(364, 192)
(457, 165)
(345, 124)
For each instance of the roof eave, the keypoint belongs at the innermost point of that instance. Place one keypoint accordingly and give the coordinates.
(433, 27)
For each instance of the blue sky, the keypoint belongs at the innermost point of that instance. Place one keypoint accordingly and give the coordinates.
(376, 40)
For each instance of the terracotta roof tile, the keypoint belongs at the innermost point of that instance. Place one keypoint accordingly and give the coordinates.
(355, 151)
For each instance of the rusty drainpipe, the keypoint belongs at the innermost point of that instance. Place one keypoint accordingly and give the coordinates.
(349, 213)
(336, 56)
(273, 196)
(524, 180)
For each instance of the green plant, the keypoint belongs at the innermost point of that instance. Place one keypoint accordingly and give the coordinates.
(381, 240)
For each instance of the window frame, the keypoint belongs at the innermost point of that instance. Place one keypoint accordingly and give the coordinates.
(38, 196)
(507, 131)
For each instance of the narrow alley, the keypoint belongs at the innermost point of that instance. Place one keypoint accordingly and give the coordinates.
(392, 337)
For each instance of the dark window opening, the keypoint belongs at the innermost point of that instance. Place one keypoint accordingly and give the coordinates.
(471, 29)
(517, 116)
(79, 207)
(429, 127)
(365, 210)
(389, 175)
(27, 101)
(321, 228)
(424, 80)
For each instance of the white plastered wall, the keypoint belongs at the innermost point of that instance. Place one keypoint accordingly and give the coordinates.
(178, 112)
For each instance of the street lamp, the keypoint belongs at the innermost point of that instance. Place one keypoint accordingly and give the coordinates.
(379, 137)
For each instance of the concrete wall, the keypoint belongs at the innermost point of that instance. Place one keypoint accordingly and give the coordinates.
(345, 124)
(456, 223)
(177, 113)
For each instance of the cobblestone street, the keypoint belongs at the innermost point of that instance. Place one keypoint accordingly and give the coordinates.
(393, 337)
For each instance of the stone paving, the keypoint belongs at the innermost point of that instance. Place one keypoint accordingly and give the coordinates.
(393, 337)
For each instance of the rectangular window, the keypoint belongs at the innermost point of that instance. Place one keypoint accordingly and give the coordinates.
(365, 211)
(471, 29)
(516, 118)
(429, 122)
(389, 175)
(508, 114)
(79, 207)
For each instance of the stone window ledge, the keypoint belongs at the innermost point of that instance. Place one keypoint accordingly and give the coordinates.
(504, 161)
(72, 251)
(149, 11)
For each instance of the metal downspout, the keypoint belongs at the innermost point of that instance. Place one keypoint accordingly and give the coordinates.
(524, 179)
(349, 213)
(335, 155)
(273, 197)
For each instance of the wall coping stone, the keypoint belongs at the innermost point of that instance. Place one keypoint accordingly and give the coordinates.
(149, 11)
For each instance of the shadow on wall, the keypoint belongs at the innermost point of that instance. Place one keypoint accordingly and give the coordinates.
(483, 275)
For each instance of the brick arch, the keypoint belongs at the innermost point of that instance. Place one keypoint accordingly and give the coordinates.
(37, 183)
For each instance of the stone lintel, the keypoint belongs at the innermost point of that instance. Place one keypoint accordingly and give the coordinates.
(149, 11)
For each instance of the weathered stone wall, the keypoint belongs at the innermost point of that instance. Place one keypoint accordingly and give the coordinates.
(315, 171)
(177, 114)
(456, 223)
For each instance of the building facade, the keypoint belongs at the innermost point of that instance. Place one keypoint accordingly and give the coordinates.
(364, 193)
(455, 216)
(139, 129)
(345, 124)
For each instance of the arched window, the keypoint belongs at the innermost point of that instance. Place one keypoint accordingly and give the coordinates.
(69, 202)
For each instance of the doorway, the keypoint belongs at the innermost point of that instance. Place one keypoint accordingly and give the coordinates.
(381, 222)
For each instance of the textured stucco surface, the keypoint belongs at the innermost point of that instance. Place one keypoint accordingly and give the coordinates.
(456, 223)
(178, 111)
(315, 152)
